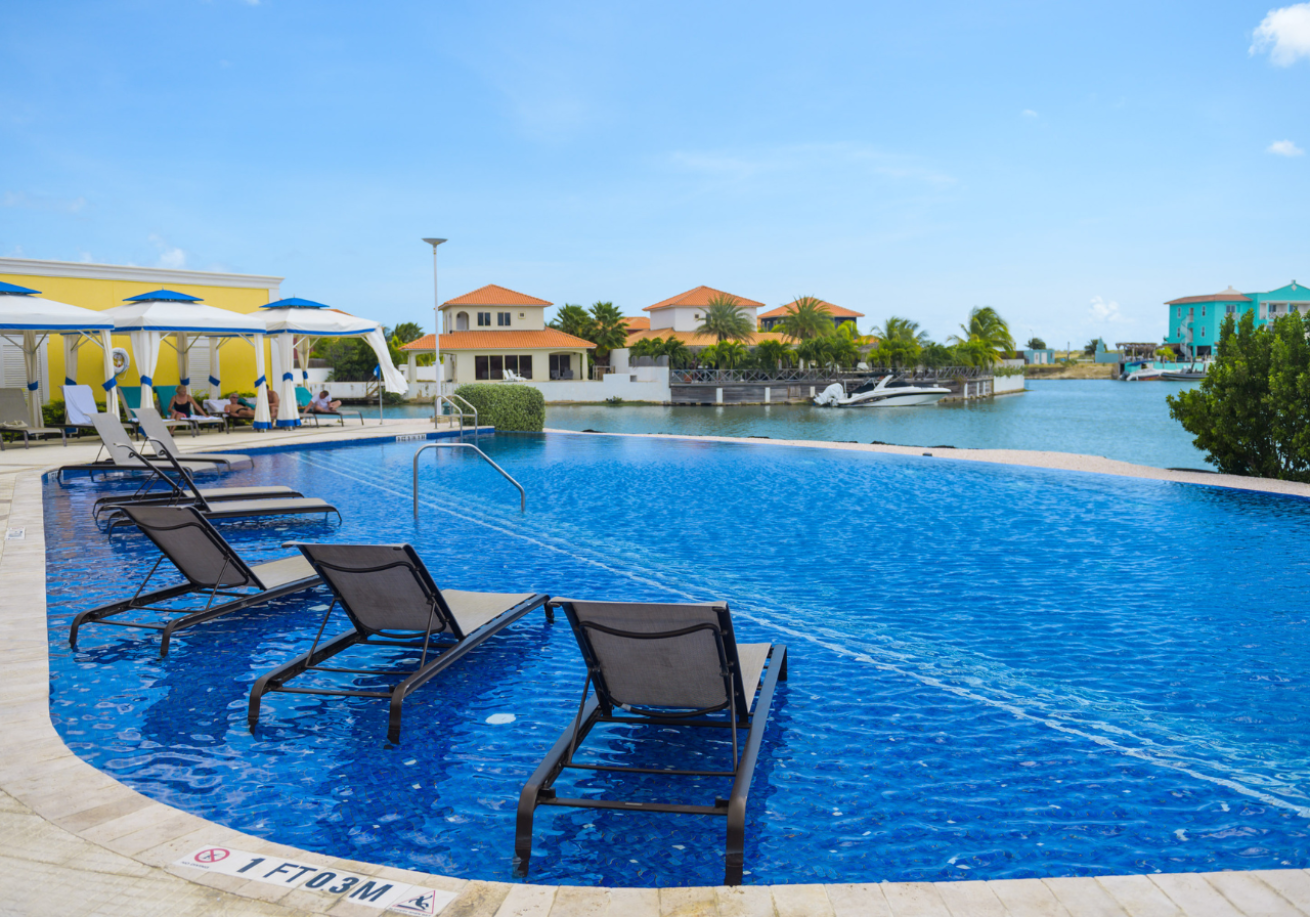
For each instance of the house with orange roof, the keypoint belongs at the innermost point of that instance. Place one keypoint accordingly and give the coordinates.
(496, 333)
(685, 311)
(839, 315)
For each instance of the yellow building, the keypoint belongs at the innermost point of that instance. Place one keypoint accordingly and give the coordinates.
(103, 286)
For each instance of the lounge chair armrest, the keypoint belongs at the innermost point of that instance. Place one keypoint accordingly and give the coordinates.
(734, 855)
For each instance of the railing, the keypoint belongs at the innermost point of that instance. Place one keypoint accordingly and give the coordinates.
(523, 496)
(707, 376)
(461, 414)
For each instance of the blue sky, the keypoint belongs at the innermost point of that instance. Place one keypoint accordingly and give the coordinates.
(1073, 166)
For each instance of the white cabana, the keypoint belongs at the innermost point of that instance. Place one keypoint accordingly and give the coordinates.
(294, 323)
(26, 320)
(166, 317)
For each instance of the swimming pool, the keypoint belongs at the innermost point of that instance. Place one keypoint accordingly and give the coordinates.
(996, 672)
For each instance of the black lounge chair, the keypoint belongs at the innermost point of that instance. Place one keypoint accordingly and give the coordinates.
(124, 458)
(182, 492)
(663, 665)
(152, 425)
(391, 600)
(241, 508)
(212, 569)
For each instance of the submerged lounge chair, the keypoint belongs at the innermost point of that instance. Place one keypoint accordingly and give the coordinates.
(14, 416)
(123, 458)
(237, 508)
(212, 569)
(180, 489)
(391, 600)
(662, 665)
(152, 425)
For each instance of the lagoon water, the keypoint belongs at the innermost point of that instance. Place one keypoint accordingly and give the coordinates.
(1128, 422)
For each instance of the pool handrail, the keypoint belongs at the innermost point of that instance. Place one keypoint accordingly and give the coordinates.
(523, 495)
(461, 414)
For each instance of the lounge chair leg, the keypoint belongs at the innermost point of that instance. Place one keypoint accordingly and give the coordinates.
(393, 722)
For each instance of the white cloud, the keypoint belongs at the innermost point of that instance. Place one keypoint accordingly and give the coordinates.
(42, 202)
(1102, 311)
(1284, 148)
(1285, 34)
(169, 256)
(1029, 113)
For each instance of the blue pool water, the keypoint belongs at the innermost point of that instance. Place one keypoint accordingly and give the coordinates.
(994, 672)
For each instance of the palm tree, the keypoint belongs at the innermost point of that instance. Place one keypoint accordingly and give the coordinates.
(989, 334)
(573, 320)
(679, 354)
(900, 342)
(608, 329)
(730, 354)
(774, 354)
(935, 356)
(810, 318)
(647, 347)
(726, 320)
(707, 356)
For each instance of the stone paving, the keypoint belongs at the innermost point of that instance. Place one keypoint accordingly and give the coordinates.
(73, 841)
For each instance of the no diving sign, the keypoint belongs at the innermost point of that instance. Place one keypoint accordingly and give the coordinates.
(366, 890)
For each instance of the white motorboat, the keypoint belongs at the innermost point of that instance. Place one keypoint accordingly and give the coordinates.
(888, 392)
(1144, 374)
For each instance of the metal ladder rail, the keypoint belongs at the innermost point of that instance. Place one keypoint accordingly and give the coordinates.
(523, 496)
(461, 414)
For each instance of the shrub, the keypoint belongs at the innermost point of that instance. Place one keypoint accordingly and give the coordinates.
(507, 407)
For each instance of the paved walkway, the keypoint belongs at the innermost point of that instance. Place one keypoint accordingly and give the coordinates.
(73, 841)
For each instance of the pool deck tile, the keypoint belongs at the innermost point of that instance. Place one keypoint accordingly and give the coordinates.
(84, 844)
(1083, 897)
(801, 901)
(745, 901)
(974, 898)
(858, 900)
(915, 899)
(528, 901)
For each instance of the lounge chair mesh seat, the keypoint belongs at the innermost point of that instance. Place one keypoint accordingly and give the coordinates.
(153, 426)
(392, 601)
(186, 491)
(669, 665)
(124, 458)
(209, 565)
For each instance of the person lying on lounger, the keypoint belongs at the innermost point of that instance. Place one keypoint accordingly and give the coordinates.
(237, 409)
(324, 404)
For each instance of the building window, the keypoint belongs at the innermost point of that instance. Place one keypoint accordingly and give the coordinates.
(561, 366)
(502, 319)
(1203, 312)
(521, 364)
(484, 319)
(1191, 312)
(1230, 309)
(1180, 311)
(1203, 331)
(462, 321)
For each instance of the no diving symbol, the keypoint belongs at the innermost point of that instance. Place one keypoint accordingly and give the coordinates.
(212, 855)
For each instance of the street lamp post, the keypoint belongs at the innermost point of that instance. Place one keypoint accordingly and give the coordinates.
(436, 331)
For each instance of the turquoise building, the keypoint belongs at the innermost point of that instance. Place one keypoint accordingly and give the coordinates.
(1194, 320)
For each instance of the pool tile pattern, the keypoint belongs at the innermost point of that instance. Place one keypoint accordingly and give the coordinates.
(74, 841)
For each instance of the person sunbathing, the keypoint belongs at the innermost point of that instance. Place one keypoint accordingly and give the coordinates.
(237, 409)
(324, 404)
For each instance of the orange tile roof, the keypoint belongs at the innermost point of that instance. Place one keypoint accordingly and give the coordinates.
(700, 297)
(502, 340)
(692, 339)
(637, 322)
(1228, 295)
(836, 311)
(492, 295)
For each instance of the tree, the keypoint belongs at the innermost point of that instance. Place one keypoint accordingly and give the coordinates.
(1090, 348)
(1165, 354)
(351, 359)
(987, 334)
(774, 354)
(1036, 344)
(573, 320)
(936, 356)
(646, 347)
(1251, 412)
(608, 329)
(730, 354)
(405, 332)
(809, 318)
(725, 320)
(900, 342)
(679, 354)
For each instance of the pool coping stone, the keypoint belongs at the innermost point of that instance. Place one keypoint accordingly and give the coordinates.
(74, 838)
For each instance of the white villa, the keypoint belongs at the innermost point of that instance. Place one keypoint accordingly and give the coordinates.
(685, 311)
(494, 330)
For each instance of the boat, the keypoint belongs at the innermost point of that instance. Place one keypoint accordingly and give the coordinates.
(1191, 374)
(1144, 374)
(888, 392)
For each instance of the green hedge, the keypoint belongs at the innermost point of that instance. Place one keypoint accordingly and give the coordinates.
(506, 407)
